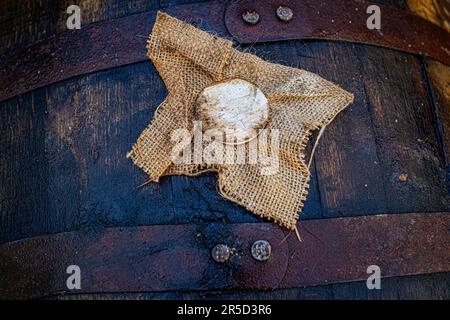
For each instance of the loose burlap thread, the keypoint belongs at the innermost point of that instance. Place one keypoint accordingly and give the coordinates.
(188, 60)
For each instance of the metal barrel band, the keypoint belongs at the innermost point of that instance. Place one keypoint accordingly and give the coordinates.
(178, 257)
(342, 20)
(121, 41)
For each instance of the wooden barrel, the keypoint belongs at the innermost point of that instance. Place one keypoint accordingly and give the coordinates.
(73, 102)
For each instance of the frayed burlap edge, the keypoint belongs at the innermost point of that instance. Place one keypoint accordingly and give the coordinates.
(155, 170)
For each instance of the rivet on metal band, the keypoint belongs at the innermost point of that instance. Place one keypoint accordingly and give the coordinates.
(261, 250)
(250, 17)
(285, 14)
(220, 253)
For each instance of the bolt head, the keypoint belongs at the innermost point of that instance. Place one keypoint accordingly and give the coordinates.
(285, 14)
(261, 250)
(250, 17)
(220, 253)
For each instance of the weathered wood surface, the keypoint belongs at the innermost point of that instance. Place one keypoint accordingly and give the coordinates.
(439, 87)
(23, 23)
(438, 74)
(435, 286)
(63, 147)
(436, 11)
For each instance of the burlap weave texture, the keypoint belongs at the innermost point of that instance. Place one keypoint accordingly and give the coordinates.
(188, 60)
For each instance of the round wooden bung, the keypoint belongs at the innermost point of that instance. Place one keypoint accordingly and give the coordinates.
(261, 250)
(233, 106)
(220, 253)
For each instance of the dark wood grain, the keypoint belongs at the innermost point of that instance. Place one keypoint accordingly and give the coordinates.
(25, 22)
(387, 135)
(84, 128)
(349, 171)
(63, 147)
(437, 78)
(406, 139)
(24, 200)
(435, 286)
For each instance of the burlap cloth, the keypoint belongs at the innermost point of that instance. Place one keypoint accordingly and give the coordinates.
(188, 60)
